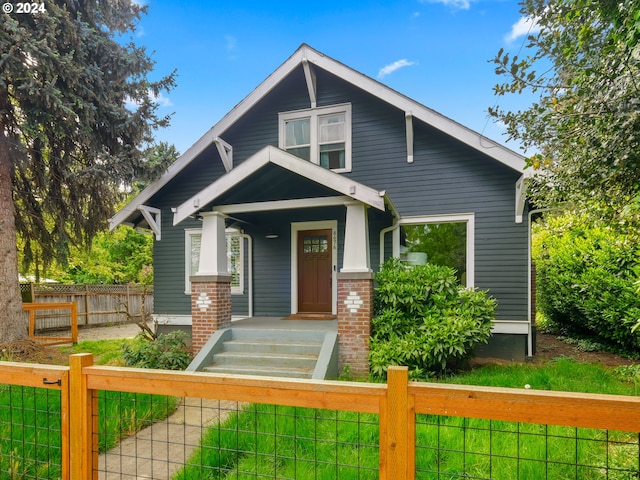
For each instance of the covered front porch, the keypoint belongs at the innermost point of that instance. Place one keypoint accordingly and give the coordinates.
(314, 264)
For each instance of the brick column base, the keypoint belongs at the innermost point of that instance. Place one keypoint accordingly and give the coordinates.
(355, 310)
(210, 307)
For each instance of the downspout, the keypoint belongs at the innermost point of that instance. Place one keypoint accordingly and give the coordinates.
(383, 232)
(249, 239)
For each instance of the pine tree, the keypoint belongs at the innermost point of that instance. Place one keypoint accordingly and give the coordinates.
(76, 110)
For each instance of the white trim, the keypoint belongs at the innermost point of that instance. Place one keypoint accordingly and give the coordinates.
(153, 216)
(313, 114)
(313, 57)
(235, 290)
(188, 233)
(408, 118)
(270, 154)
(468, 218)
(310, 77)
(510, 326)
(319, 225)
(283, 205)
(226, 153)
(171, 319)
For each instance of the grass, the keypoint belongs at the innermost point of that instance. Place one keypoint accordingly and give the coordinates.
(30, 418)
(105, 352)
(267, 441)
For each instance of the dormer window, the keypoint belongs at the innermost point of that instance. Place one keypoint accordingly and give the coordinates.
(319, 135)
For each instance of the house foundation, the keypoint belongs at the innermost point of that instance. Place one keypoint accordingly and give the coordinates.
(355, 311)
(210, 307)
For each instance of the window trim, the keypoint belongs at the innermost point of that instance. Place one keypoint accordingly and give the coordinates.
(468, 218)
(188, 233)
(313, 114)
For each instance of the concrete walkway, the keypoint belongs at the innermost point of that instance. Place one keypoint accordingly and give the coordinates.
(160, 450)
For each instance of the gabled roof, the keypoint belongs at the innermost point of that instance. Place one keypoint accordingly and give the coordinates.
(306, 56)
(275, 156)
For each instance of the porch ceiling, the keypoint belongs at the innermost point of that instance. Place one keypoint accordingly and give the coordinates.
(271, 183)
(273, 175)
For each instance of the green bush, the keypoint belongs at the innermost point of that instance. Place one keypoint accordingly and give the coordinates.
(425, 320)
(586, 274)
(166, 352)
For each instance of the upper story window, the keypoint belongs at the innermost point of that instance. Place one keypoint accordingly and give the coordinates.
(321, 135)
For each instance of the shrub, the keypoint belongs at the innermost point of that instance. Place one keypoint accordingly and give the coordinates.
(168, 352)
(586, 274)
(425, 320)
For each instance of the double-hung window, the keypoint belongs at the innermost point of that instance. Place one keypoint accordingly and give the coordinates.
(235, 260)
(320, 135)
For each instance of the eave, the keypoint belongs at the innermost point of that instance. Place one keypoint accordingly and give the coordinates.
(272, 155)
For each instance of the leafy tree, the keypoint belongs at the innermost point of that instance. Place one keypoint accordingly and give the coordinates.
(76, 106)
(584, 63)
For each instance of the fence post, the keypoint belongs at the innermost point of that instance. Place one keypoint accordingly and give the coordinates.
(74, 323)
(81, 422)
(397, 428)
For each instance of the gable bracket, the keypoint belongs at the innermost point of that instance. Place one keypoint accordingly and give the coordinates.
(310, 77)
(226, 153)
(408, 117)
(521, 196)
(152, 216)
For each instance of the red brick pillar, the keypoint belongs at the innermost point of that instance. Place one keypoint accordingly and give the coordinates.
(355, 311)
(210, 307)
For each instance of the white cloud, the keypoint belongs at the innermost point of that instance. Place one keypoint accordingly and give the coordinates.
(160, 99)
(388, 69)
(453, 4)
(523, 27)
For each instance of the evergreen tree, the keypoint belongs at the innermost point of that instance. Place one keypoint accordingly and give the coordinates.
(76, 109)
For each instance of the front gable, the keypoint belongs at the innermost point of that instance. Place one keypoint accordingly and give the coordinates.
(308, 80)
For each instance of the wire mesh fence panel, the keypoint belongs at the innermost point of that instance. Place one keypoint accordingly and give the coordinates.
(30, 433)
(454, 447)
(201, 438)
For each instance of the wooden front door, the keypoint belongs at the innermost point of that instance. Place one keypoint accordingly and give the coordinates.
(314, 271)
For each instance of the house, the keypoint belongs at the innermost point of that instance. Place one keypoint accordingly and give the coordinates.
(287, 206)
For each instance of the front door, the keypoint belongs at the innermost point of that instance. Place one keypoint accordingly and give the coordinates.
(314, 271)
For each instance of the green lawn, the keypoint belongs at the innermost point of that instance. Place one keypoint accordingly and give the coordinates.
(267, 441)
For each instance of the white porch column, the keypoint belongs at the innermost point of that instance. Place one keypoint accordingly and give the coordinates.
(213, 250)
(356, 239)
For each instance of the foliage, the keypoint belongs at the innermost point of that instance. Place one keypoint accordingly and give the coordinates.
(77, 110)
(425, 320)
(121, 256)
(167, 352)
(584, 63)
(586, 274)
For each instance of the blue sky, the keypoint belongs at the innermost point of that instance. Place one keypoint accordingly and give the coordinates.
(434, 51)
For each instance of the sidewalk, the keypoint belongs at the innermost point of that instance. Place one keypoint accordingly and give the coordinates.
(160, 450)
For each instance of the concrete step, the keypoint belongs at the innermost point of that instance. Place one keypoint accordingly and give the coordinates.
(287, 372)
(273, 353)
(293, 347)
(267, 360)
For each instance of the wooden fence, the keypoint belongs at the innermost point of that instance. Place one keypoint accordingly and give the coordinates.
(396, 404)
(34, 308)
(97, 304)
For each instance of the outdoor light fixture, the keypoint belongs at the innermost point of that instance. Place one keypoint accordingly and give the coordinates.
(271, 234)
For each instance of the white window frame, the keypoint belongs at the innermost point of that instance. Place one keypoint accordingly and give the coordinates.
(468, 218)
(188, 233)
(313, 114)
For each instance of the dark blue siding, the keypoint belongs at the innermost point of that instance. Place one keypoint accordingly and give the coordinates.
(446, 177)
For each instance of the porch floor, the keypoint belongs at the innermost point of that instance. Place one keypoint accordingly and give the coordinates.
(271, 323)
